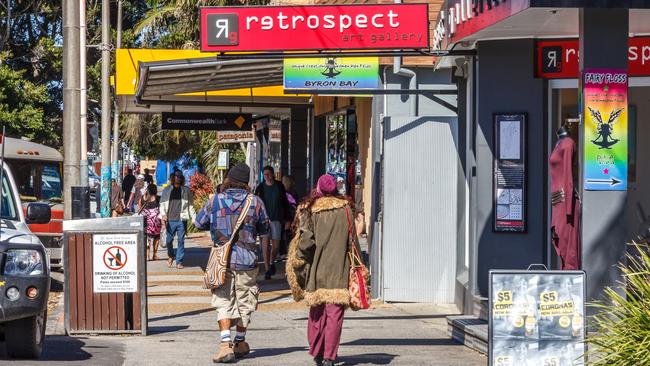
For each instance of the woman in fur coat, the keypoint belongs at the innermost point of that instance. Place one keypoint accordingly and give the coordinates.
(318, 266)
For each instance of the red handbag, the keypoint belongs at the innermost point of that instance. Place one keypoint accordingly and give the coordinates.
(358, 280)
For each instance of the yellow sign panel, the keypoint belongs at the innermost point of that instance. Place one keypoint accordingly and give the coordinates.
(127, 72)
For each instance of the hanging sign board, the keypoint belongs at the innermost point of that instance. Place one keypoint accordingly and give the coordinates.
(536, 318)
(115, 263)
(509, 204)
(558, 59)
(235, 137)
(605, 117)
(339, 73)
(223, 159)
(207, 121)
(324, 27)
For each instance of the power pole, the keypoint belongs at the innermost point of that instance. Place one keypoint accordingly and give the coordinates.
(105, 202)
(83, 166)
(116, 112)
(71, 99)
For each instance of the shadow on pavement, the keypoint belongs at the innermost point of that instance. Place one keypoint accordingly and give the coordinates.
(57, 348)
(396, 317)
(166, 329)
(270, 352)
(195, 257)
(179, 315)
(402, 342)
(367, 359)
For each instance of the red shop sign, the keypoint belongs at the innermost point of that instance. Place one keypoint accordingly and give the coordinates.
(325, 27)
(559, 59)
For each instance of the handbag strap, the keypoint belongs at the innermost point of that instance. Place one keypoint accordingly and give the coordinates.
(241, 217)
(353, 252)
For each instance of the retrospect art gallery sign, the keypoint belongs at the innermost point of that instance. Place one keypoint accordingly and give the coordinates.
(326, 27)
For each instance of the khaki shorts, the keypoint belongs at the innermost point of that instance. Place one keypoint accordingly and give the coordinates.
(237, 298)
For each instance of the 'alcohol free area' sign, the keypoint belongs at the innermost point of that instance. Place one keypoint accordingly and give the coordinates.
(115, 263)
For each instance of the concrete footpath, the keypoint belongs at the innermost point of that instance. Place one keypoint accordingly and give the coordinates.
(183, 329)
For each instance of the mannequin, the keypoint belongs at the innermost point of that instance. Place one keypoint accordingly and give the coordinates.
(565, 218)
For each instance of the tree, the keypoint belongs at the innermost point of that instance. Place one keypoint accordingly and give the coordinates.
(175, 24)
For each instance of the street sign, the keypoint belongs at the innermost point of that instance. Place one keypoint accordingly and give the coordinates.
(321, 27)
(605, 117)
(207, 121)
(235, 137)
(115, 263)
(223, 159)
(536, 318)
(339, 73)
(558, 59)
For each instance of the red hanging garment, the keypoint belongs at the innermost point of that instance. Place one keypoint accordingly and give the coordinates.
(565, 218)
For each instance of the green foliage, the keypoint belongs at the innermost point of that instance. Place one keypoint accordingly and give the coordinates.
(22, 105)
(622, 325)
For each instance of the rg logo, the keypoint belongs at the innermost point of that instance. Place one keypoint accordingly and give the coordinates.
(552, 59)
(223, 29)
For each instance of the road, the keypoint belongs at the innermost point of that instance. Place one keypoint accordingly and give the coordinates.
(183, 330)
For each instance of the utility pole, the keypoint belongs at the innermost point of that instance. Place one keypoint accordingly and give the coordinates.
(71, 99)
(116, 113)
(105, 201)
(83, 158)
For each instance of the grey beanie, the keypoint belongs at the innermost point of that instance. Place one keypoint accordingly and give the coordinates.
(240, 173)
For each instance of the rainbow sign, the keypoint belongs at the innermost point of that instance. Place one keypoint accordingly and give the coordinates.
(605, 123)
(334, 73)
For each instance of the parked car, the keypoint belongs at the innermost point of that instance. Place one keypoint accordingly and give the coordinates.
(25, 275)
(94, 182)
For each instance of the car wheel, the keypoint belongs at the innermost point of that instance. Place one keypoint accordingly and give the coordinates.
(25, 337)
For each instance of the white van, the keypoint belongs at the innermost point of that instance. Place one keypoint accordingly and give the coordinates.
(25, 272)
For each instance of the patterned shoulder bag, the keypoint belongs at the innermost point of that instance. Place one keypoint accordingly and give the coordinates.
(358, 280)
(215, 271)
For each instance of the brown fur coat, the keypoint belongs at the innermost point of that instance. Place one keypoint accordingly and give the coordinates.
(318, 265)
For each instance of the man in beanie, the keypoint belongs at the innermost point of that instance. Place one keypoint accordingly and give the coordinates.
(236, 299)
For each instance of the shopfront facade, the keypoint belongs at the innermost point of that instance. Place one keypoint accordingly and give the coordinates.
(529, 58)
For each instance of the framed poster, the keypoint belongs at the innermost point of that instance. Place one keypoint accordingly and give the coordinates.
(509, 203)
(537, 318)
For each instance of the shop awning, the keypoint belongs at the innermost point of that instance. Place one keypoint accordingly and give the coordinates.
(205, 74)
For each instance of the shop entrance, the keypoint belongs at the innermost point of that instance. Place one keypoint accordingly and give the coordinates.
(564, 111)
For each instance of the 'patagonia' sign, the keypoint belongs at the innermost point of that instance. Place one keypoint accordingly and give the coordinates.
(326, 27)
(337, 73)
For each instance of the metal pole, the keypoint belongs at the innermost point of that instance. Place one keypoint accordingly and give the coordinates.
(105, 203)
(83, 158)
(116, 112)
(71, 99)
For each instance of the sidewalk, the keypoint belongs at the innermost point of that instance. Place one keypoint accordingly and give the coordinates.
(183, 329)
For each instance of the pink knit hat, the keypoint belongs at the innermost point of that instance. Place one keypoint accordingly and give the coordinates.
(326, 185)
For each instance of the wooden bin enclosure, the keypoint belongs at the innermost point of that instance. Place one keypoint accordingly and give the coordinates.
(87, 311)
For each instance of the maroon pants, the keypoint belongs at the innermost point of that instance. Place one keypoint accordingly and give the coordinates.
(324, 330)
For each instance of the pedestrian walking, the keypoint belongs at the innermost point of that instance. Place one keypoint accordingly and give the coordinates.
(127, 185)
(116, 202)
(176, 209)
(139, 190)
(275, 200)
(292, 198)
(148, 178)
(150, 209)
(318, 266)
(236, 299)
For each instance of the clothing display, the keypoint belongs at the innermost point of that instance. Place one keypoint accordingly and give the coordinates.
(565, 219)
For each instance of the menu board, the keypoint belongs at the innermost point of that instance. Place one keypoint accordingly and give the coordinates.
(510, 173)
(537, 318)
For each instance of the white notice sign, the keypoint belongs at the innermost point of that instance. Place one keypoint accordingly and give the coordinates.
(115, 263)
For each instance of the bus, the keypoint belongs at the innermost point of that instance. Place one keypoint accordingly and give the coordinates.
(37, 170)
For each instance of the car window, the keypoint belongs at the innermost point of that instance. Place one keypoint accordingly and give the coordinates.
(8, 210)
